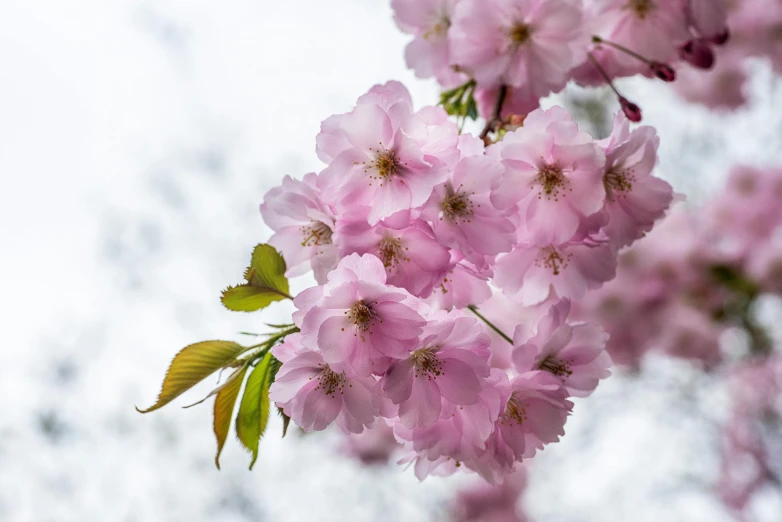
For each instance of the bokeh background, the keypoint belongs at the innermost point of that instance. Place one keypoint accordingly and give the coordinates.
(137, 139)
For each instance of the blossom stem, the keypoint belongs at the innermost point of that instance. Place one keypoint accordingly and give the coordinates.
(495, 118)
(596, 39)
(491, 325)
(603, 73)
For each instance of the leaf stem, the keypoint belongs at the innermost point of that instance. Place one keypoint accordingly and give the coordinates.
(491, 325)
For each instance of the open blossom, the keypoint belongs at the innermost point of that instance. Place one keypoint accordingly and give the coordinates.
(356, 321)
(534, 412)
(634, 198)
(652, 29)
(413, 258)
(429, 21)
(530, 45)
(463, 285)
(314, 395)
(532, 274)
(553, 173)
(374, 161)
(449, 363)
(303, 226)
(463, 215)
(575, 354)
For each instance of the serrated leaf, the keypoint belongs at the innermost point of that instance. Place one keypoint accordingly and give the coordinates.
(192, 365)
(254, 410)
(285, 421)
(224, 409)
(266, 282)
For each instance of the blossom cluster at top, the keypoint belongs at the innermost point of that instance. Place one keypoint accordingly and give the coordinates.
(534, 47)
(406, 228)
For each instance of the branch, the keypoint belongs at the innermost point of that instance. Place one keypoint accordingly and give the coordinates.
(495, 119)
(502, 334)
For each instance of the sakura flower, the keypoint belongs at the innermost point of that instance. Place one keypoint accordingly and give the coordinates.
(492, 503)
(634, 198)
(313, 395)
(449, 363)
(429, 21)
(374, 445)
(532, 274)
(379, 165)
(303, 226)
(462, 213)
(527, 44)
(463, 285)
(575, 354)
(553, 174)
(413, 258)
(356, 320)
(535, 408)
(653, 29)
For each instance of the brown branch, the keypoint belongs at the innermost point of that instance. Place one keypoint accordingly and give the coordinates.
(495, 119)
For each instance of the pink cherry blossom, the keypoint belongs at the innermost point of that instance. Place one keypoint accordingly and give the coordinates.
(655, 30)
(303, 226)
(374, 445)
(375, 162)
(534, 412)
(413, 258)
(553, 173)
(313, 395)
(532, 274)
(449, 363)
(429, 21)
(463, 285)
(463, 215)
(527, 44)
(634, 198)
(358, 322)
(573, 353)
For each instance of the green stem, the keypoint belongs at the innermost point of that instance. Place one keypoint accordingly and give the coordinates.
(502, 334)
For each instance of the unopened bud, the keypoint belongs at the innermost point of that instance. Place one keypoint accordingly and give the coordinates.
(697, 53)
(663, 71)
(631, 110)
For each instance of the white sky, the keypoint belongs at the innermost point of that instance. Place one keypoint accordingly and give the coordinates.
(136, 140)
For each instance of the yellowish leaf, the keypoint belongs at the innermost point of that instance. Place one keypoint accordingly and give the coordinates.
(192, 365)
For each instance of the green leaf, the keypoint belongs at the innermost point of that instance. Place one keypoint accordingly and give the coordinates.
(266, 282)
(254, 410)
(192, 365)
(285, 421)
(224, 409)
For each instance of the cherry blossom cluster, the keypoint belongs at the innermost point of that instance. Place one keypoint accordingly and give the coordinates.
(408, 228)
(528, 49)
(697, 275)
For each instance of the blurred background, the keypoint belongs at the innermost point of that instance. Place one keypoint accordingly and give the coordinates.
(137, 139)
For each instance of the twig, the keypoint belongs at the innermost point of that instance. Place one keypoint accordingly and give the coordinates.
(495, 119)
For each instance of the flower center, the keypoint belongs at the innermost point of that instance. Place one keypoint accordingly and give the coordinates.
(641, 7)
(427, 363)
(361, 315)
(553, 365)
(618, 180)
(514, 411)
(520, 33)
(330, 381)
(316, 234)
(384, 166)
(552, 182)
(439, 29)
(457, 206)
(391, 252)
(553, 260)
